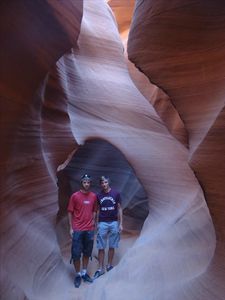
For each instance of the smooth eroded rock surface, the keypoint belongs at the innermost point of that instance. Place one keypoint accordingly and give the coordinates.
(67, 83)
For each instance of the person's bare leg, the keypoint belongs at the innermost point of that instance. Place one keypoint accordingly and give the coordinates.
(84, 274)
(110, 256)
(101, 257)
(76, 264)
(77, 279)
(85, 261)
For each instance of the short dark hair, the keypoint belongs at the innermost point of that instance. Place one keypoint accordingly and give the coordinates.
(102, 178)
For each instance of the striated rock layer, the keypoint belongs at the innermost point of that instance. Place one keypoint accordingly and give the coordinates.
(161, 102)
(89, 94)
(180, 47)
(33, 34)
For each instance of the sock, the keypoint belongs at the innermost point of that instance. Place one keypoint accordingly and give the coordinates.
(101, 270)
(78, 274)
(84, 271)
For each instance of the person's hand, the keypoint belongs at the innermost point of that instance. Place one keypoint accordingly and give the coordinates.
(71, 232)
(121, 227)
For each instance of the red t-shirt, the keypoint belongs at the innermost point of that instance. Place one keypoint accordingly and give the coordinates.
(82, 206)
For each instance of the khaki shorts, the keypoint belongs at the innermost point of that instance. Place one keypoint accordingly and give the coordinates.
(108, 231)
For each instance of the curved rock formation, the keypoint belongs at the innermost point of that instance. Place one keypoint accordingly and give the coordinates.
(180, 47)
(156, 96)
(89, 94)
(97, 157)
(98, 98)
(34, 34)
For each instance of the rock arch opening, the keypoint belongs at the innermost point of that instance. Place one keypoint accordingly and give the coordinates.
(98, 157)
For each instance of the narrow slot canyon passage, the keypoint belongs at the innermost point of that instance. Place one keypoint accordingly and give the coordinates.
(131, 89)
(96, 158)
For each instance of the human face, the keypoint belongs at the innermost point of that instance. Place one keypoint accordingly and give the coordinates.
(105, 185)
(86, 184)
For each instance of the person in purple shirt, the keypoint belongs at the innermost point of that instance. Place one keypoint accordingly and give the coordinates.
(110, 224)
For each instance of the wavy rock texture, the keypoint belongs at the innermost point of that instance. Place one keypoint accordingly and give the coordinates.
(155, 95)
(34, 34)
(89, 94)
(180, 47)
(104, 102)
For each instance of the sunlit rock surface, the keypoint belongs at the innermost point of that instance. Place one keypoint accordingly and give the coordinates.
(161, 102)
(89, 94)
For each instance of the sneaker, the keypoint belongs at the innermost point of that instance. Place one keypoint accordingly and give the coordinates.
(98, 273)
(77, 281)
(108, 268)
(87, 278)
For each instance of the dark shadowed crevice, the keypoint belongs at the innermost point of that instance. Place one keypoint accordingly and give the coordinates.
(96, 158)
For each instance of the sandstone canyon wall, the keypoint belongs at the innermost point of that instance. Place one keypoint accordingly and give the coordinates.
(34, 35)
(68, 82)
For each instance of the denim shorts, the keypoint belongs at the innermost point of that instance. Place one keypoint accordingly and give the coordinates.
(108, 231)
(82, 243)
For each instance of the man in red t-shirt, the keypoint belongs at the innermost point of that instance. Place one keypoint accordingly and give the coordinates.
(82, 213)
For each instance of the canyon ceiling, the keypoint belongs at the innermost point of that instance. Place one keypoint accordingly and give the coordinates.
(74, 86)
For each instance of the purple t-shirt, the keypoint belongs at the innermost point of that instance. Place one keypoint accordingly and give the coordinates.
(108, 206)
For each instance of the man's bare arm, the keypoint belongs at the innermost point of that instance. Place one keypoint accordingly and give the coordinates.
(120, 216)
(70, 223)
(96, 214)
